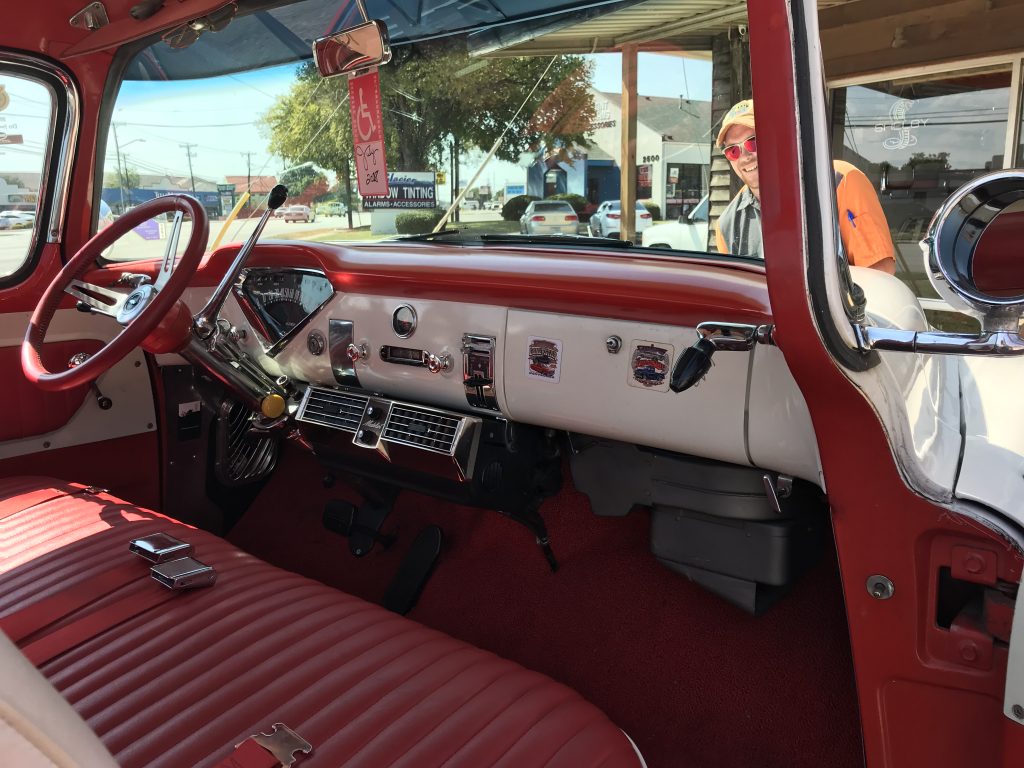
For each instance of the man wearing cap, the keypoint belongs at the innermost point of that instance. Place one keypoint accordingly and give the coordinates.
(862, 224)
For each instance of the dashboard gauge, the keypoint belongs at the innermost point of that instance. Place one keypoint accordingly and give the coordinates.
(403, 321)
(279, 301)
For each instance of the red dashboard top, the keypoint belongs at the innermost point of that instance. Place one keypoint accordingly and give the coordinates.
(655, 288)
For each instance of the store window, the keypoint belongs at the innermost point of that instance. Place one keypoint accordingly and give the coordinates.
(918, 139)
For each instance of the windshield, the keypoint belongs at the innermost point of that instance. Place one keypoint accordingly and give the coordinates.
(445, 100)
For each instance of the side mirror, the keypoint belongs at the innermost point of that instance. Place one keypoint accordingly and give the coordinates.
(971, 256)
(352, 50)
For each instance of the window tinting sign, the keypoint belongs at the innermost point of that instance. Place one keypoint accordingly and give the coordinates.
(368, 134)
(649, 364)
(544, 359)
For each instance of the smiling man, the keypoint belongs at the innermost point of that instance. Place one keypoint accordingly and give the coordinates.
(862, 225)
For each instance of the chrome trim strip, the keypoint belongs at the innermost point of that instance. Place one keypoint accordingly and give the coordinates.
(67, 139)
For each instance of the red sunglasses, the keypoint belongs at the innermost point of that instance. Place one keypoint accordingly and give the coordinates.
(733, 151)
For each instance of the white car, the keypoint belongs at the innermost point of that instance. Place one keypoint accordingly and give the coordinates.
(19, 218)
(301, 213)
(689, 233)
(549, 217)
(605, 220)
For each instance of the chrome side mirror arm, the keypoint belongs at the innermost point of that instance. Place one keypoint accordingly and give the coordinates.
(1000, 343)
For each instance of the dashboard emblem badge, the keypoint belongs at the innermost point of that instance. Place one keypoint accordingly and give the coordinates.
(649, 365)
(403, 321)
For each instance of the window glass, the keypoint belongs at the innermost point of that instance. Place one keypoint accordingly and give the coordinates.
(917, 140)
(183, 123)
(26, 113)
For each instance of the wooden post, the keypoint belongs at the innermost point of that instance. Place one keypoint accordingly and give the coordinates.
(627, 194)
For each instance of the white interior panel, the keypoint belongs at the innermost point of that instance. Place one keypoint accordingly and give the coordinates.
(780, 435)
(126, 384)
(593, 395)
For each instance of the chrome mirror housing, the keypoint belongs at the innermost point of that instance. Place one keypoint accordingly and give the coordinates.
(352, 50)
(972, 256)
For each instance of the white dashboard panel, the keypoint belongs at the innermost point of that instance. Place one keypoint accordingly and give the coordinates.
(780, 434)
(440, 327)
(593, 395)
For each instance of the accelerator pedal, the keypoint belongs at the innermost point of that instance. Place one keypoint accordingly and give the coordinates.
(416, 567)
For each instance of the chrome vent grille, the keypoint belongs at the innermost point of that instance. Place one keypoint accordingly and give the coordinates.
(341, 410)
(421, 428)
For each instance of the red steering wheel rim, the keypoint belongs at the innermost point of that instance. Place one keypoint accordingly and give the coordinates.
(137, 330)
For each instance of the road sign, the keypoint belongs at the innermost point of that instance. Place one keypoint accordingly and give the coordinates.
(442, 177)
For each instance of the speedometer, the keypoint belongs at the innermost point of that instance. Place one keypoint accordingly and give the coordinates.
(279, 301)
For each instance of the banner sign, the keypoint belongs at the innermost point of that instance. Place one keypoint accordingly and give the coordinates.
(368, 134)
(406, 190)
(511, 190)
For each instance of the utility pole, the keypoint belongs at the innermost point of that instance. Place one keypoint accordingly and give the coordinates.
(248, 170)
(188, 153)
(120, 174)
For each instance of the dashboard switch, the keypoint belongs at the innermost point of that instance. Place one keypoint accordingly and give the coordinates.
(357, 352)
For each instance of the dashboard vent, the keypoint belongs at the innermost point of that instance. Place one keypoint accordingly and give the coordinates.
(422, 428)
(341, 410)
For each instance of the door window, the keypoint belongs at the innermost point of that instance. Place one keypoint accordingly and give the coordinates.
(26, 117)
(918, 139)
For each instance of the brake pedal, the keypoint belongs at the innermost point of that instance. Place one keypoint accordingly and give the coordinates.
(360, 525)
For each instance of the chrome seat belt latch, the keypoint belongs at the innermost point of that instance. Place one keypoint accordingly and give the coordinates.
(184, 573)
(282, 742)
(159, 548)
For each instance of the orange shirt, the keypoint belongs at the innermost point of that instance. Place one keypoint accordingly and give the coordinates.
(862, 224)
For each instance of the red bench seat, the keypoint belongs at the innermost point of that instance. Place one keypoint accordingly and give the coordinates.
(183, 681)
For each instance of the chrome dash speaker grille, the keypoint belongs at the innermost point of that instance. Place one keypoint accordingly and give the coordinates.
(422, 429)
(330, 408)
(242, 455)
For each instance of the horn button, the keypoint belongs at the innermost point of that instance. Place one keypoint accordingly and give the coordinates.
(135, 303)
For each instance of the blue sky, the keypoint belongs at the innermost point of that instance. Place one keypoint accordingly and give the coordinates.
(154, 119)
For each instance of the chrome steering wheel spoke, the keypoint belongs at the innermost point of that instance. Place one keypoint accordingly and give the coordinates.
(101, 300)
(167, 265)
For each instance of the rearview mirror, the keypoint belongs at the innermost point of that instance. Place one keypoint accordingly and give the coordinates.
(352, 50)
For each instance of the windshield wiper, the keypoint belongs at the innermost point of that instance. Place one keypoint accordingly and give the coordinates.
(570, 240)
(428, 236)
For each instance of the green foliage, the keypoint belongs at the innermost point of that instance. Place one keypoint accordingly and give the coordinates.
(652, 208)
(129, 179)
(304, 183)
(578, 202)
(939, 160)
(417, 222)
(433, 92)
(12, 181)
(515, 207)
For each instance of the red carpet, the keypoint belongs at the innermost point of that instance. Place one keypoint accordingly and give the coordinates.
(693, 680)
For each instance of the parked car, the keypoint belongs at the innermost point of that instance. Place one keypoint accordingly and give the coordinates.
(549, 217)
(332, 208)
(689, 233)
(19, 219)
(301, 213)
(605, 221)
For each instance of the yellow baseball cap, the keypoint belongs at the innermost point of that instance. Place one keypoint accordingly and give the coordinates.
(741, 113)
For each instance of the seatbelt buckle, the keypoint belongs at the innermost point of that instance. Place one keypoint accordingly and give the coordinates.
(159, 548)
(282, 742)
(184, 573)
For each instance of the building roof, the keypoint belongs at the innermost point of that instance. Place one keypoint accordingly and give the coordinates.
(675, 119)
(261, 185)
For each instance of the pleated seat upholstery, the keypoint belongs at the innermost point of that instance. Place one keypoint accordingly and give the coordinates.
(183, 682)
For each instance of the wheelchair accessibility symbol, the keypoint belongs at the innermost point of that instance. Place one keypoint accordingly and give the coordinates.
(363, 117)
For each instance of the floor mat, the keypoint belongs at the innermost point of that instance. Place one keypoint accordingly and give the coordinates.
(693, 680)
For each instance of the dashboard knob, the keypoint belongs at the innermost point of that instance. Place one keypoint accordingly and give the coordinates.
(439, 363)
(357, 352)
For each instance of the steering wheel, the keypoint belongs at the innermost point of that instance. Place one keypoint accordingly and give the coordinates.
(139, 310)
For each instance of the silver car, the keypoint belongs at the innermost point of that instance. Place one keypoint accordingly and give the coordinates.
(605, 222)
(549, 217)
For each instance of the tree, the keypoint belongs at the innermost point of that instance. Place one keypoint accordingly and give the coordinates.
(12, 181)
(304, 183)
(434, 96)
(129, 179)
